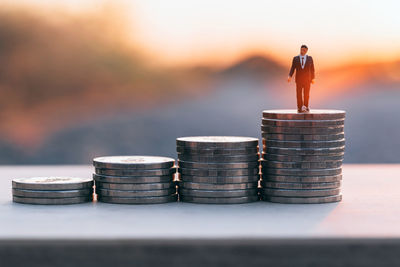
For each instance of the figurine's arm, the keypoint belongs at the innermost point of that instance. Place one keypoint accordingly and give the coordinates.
(312, 71)
(291, 71)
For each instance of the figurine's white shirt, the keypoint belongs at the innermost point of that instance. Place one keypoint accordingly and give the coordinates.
(303, 60)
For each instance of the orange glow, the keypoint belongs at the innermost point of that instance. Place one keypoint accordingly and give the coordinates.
(179, 32)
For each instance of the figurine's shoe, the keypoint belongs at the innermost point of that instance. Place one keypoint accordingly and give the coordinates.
(304, 109)
(299, 110)
(307, 109)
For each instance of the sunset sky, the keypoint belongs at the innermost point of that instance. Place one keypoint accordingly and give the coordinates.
(183, 32)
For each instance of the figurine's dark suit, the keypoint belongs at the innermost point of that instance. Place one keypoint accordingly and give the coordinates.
(304, 76)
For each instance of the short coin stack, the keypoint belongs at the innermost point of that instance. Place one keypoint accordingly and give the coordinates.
(302, 156)
(52, 190)
(218, 169)
(135, 179)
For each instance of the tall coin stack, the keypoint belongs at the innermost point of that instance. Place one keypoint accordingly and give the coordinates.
(52, 190)
(135, 179)
(218, 169)
(302, 156)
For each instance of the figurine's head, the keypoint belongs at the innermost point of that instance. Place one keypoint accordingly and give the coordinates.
(303, 50)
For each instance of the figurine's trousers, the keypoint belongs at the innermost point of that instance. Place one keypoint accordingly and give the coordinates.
(302, 88)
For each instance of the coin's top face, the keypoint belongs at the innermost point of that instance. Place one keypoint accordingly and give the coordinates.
(217, 139)
(312, 111)
(52, 180)
(133, 160)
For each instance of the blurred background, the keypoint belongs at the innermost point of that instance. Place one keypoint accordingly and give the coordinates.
(82, 78)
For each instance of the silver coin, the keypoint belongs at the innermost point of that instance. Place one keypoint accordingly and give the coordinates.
(300, 192)
(303, 137)
(219, 159)
(133, 162)
(209, 186)
(304, 172)
(217, 166)
(305, 151)
(218, 200)
(302, 123)
(217, 193)
(302, 200)
(267, 184)
(134, 187)
(137, 193)
(52, 183)
(235, 142)
(217, 151)
(305, 144)
(216, 172)
(52, 201)
(52, 193)
(133, 179)
(301, 179)
(302, 158)
(301, 165)
(302, 130)
(220, 179)
(314, 114)
(124, 172)
(138, 200)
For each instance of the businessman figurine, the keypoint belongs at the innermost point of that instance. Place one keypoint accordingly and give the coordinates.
(305, 75)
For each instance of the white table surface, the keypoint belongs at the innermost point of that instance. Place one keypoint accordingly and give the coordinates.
(370, 209)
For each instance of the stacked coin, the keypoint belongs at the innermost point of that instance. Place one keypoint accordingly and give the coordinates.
(135, 179)
(302, 156)
(218, 169)
(52, 190)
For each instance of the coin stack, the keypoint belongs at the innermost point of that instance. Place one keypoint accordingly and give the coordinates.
(52, 190)
(135, 179)
(302, 156)
(218, 169)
